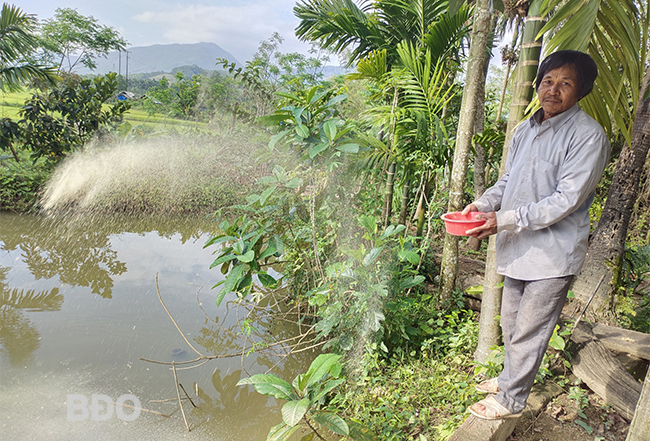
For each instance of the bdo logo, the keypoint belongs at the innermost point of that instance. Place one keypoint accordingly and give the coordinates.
(101, 407)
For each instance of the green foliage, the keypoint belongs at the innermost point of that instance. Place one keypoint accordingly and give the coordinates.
(20, 182)
(17, 43)
(634, 304)
(305, 397)
(70, 38)
(424, 394)
(251, 245)
(56, 123)
(309, 121)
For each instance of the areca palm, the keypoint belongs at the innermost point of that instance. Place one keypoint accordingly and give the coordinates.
(375, 30)
(16, 41)
(375, 25)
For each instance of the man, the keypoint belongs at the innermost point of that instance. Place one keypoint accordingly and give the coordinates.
(539, 210)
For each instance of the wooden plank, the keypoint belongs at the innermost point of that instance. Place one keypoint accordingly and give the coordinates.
(476, 429)
(623, 340)
(596, 366)
(640, 426)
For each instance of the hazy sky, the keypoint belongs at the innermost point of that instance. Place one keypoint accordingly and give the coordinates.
(236, 25)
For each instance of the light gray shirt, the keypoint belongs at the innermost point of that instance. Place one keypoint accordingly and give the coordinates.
(542, 201)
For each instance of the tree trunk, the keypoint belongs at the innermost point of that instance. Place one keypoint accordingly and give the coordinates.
(489, 332)
(388, 195)
(640, 426)
(597, 367)
(405, 202)
(474, 86)
(390, 177)
(607, 246)
(503, 92)
(422, 206)
(13, 152)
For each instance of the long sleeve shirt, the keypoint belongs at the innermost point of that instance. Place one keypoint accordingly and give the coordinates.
(542, 201)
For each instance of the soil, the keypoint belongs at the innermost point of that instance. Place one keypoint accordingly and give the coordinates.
(561, 421)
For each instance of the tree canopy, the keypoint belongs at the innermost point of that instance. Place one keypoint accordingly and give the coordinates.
(70, 39)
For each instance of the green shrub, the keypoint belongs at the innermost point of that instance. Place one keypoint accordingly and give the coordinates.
(20, 182)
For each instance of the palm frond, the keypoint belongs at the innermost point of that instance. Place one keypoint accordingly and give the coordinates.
(615, 34)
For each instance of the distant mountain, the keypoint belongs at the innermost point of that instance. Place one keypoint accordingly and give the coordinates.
(162, 58)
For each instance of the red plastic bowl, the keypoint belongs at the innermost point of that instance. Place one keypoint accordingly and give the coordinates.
(456, 224)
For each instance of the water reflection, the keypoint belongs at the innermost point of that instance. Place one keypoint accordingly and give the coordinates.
(18, 337)
(78, 250)
(59, 335)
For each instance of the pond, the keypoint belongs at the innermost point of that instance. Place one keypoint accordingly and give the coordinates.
(79, 307)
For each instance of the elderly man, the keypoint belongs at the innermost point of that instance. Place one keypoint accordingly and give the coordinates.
(539, 210)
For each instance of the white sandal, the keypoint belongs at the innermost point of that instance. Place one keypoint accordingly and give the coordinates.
(492, 410)
(490, 386)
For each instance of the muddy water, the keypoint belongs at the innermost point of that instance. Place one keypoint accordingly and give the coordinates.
(79, 308)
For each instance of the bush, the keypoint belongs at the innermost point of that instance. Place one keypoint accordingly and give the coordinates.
(21, 182)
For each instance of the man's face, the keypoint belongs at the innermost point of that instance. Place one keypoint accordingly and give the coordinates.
(558, 91)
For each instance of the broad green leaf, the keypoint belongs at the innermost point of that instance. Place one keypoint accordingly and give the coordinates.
(348, 148)
(294, 183)
(233, 278)
(410, 281)
(316, 149)
(556, 341)
(293, 411)
(275, 138)
(372, 256)
(224, 258)
(302, 131)
(279, 245)
(317, 300)
(392, 229)
(330, 385)
(299, 382)
(269, 384)
(244, 283)
(332, 422)
(238, 247)
(265, 180)
(266, 193)
(454, 6)
(247, 257)
(409, 255)
(267, 280)
(297, 114)
(337, 99)
(321, 367)
(369, 223)
(475, 290)
(330, 129)
(218, 239)
(268, 252)
(281, 432)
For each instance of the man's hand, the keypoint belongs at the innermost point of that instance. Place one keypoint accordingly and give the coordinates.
(485, 230)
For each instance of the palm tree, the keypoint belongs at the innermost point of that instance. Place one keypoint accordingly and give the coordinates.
(375, 25)
(374, 30)
(16, 42)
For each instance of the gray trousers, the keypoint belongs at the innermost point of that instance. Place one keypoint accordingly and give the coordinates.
(529, 313)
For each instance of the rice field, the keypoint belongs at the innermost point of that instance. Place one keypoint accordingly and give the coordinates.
(11, 103)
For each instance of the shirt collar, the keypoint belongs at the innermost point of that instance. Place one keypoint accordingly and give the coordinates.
(556, 121)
